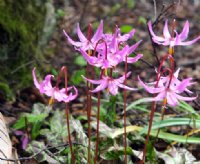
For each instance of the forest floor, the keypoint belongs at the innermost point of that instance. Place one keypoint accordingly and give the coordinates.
(116, 12)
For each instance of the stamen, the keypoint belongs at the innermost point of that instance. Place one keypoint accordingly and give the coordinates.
(51, 101)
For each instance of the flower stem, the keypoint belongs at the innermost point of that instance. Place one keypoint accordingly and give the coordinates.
(64, 69)
(89, 99)
(69, 135)
(97, 132)
(125, 100)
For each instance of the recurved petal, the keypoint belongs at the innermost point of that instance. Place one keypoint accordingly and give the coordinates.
(134, 59)
(122, 78)
(37, 84)
(166, 30)
(151, 29)
(99, 33)
(77, 44)
(80, 34)
(90, 59)
(125, 37)
(189, 42)
(71, 96)
(126, 87)
(177, 73)
(155, 38)
(133, 47)
(183, 85)
(184, 34)
(59, 96)
(102, 86)
(150, 89)
(93, 81)
(185, 98)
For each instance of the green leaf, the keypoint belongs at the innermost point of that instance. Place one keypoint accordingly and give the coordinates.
(31, 118)
(173, 122)
(183, 106)
(76, 78)
(35, 131)
(114, 153)
(138, 105)
(79, 60)
(126, 28)
(131, 3)
(174, 137)
(142, 20)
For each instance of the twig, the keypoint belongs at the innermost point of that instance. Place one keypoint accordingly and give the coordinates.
(44, 149)
(155, 9)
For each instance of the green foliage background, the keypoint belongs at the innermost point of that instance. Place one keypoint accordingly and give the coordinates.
(21, 24)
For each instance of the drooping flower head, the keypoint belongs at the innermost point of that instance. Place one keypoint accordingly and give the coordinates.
(110, 84)
(169, 88)
(45, 87)
(169, 40)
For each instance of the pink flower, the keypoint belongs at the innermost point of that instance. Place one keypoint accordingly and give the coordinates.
(111, 56)
(110, 84)
(84, 43)
(23, 137)
(46, 88)
(119, 37)
(168, 39)
(170, 92)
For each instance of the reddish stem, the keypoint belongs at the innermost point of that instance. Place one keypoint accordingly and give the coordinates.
(88, 117)
(64, 69)
(69, 135)
(97, 133)
(153, 107)
(125, 100)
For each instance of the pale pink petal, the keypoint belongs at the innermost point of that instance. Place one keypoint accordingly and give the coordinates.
(59, 96)
(80, 34)
(176, 73)
(133, 47)
(160, 40)
(93, 81)
(184, 34)
(99, 33)
(125, 37)
(166, 30)
(90, 59)
(35, 79)
(185, 98)
(172, 99)
(102, 86)
(189, 42)
(183, 85)
(77, 44)
(134, 59)
(113, 88)
(126, 87)
(160, 96)
(155, 38)
(150, 89)
(71, 96)
(122, 79)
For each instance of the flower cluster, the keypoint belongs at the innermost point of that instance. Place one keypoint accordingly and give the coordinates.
(169, 40)
(168, 88)
(106, 51)
(61, 95)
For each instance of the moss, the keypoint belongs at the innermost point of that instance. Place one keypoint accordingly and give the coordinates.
(21, 24)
